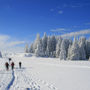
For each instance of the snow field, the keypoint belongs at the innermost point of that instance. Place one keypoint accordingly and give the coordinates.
(46, 74)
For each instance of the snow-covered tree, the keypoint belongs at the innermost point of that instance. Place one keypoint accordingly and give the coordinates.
(36, 42)
(44, 43)
(39, 49)
(47, 53)
(31, 49)
(87, 49)
(26, 48)
(74, 51)
(82, 47)
(51, 46)
(63, 51)
(68, 42)
(58, 46)
(0, 55)
(48, 46)
(64, 48)
(69, 52)
(89, 59)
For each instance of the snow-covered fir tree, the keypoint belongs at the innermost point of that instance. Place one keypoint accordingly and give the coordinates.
(48, 46)
(53, 46)
(0, 55)
(44, 43)
(58, 47)
(74, 51)
(36, 42)
(26, 48)
(63, 51)
(31, 50)
(82, 47)
(89, 59)
(69, 52)
(47, 52)
(67, 43)
(64, 48)
(39, 49)
(87, 49)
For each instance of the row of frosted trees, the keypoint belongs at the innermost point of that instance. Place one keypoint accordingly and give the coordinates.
(56, 46)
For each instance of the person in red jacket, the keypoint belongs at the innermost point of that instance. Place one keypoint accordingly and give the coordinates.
(7, 66)
(12, 65)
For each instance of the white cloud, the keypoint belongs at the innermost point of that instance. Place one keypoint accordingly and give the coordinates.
(76, 26)
(76, 6)
(16, 43)
(60, 12)
(82, 32)
(65, 5)
(58, 30)
(7, 43)
(87, 23)
(51, 10)
(4, 37)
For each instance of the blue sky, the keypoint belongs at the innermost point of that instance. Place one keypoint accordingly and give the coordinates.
(21, 20)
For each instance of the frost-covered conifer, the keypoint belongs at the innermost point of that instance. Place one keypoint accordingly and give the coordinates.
(26, 48)
(74, 51)
(53, 46)
(58, 46)
(44, 43)
(39, 49)
(63, 51)
(36, 42)
(31, 49)
(82, 46)
(0, 55)
(48, 46)
(87, 49)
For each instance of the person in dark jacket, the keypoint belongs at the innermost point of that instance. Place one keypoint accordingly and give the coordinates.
(7, 66)
(12, 65)
(9, 59)
(20, 65)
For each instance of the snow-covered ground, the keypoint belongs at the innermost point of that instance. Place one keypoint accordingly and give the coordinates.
(45, 74)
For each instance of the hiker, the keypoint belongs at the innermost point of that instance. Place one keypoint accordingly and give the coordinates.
(20, 65)
(7, 66)
(12, 65)
(9, 59)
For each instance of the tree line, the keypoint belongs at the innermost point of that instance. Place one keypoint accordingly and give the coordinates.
(58, 47)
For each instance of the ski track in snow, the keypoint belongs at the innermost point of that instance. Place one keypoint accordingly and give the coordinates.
(19, 80)
(25, 82)
(5, 78)
(11, 82)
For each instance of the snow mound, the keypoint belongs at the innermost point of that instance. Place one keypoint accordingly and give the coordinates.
(23, 55)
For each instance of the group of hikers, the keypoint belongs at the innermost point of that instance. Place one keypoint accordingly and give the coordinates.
(11, 64)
